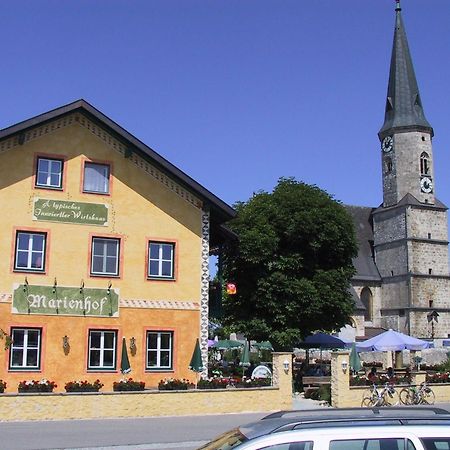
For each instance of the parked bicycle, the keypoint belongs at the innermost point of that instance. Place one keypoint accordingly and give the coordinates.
(413, 395)
(386, 396)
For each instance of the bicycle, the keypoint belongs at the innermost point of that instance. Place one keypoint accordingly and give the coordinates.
(412, 395)
(387, 396)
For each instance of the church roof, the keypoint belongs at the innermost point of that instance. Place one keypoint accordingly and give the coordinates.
(364, 262)
(410, 200)
(404, 109)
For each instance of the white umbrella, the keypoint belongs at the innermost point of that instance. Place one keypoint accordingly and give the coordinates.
(391, 341)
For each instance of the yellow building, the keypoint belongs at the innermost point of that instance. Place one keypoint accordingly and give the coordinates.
(103, 243)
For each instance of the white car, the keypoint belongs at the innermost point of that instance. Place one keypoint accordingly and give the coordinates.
(401, 428)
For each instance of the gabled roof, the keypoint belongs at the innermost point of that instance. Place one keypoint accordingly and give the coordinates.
(364, 262)
(404, 109)
(219, 210)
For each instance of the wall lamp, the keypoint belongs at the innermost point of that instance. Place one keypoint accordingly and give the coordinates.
(344, 365)
(133, 345)
(286, 365)
(66, 345)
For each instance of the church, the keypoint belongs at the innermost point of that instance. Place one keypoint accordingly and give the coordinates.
(402, 273)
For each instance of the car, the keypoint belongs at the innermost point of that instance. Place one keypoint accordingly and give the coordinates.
(397, 428)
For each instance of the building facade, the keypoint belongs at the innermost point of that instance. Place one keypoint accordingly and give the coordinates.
(104, 245)
(402, 280)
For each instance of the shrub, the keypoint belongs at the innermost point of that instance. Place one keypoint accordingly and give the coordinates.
(213, 383)
(83, 386)
(128, 385)
(441, 377)
(36, 386)
(174, 384)
(2, 386)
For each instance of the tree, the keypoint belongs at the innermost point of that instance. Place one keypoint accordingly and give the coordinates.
(292, 264)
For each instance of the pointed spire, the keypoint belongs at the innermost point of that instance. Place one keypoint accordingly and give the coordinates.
(404, 109)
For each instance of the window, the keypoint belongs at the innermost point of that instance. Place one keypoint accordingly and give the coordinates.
(424, 164)
(49, 173)
(25, 350)
(105, 256)
(161, 260)
(159, 350)
(388, 162)
(102, 350)
(30, 251)
(367, 301)
(372, 444)
(96, 178)
(439, 443)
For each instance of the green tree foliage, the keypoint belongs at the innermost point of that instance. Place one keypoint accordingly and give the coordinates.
(292, 264)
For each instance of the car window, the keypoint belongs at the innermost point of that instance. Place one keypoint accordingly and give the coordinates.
(372, 444)
(436, 443)
(307, 445)
(226, 441)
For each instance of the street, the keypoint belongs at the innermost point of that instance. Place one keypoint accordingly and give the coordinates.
(152, 433)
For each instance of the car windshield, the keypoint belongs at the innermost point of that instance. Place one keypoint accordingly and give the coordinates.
(226, 441)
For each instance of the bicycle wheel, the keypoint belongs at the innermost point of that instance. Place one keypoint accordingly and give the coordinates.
(367, 402)
(390, 397)
(406, 396)
(428, 397)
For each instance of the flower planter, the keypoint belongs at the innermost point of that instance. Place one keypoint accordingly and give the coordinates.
(35, 386)
(128, 385)
(83, 386)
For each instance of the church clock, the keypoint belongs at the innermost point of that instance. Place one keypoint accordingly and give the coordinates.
(387, 144)
(426, 185)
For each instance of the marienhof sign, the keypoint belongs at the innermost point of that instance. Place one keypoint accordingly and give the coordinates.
(70, 212)
(66, 301)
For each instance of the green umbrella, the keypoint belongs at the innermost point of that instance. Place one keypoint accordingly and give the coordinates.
(355, 362)
(226, 344)
(125, 362)
(265, 345)
(196, 363)
(245, 360)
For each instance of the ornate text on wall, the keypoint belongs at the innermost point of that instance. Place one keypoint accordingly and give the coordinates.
(70, 212)
(67, 301)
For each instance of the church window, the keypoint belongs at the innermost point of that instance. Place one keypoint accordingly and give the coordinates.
(429, 235)
(430, 271)
(367, 301)
(423, 138)
(388, 162)
(424, 164)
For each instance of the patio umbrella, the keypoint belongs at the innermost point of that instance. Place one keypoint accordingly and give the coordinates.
(391, 341)
(322, 341)
(265, 345)
(226, 344)
(245, 359)
(355, 362)
(196, 363)
(124, 361)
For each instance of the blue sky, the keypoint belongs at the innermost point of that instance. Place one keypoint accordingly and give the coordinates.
(236, 93)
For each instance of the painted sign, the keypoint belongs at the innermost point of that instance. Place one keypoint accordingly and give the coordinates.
(70, 212)
(65, 301)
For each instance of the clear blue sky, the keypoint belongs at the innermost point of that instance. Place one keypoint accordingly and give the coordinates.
(236, 93)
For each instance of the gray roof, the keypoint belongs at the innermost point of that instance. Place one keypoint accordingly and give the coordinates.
(364, 262)
(220, 212)
(410, 200)
(404, 109)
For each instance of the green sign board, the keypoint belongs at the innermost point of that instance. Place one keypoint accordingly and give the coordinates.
(70, 212)
(65, 301)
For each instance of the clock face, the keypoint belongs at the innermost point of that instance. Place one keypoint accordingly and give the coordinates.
(387, 144)
(426, 185)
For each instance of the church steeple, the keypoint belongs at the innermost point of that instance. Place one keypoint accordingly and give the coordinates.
(404, 111)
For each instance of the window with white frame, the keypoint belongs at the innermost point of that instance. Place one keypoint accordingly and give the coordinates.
(159, 350)
(25, 350)
(49, 173)
(161, 260)
(96, 178)
(30, 251)
(102, 349)
(105, 256)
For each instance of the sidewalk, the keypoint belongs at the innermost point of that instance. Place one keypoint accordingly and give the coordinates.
(300, 402)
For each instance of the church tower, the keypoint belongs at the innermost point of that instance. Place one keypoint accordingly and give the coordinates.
(410, 228)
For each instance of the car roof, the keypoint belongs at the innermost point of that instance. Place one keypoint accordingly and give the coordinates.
(349, 433)
(323, 418)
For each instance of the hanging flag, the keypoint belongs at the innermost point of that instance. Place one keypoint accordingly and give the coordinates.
(231, 288)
